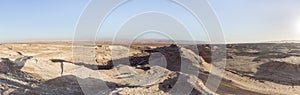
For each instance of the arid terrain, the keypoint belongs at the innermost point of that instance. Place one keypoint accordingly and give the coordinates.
(147, 69)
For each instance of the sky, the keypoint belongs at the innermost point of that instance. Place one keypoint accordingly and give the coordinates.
(241, 20)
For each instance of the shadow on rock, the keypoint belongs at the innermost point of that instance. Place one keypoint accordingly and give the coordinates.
(182, 84)
(170, 53)
(68, 85)
(9, 66)
(13, 68)
(90, 66)
(172, 57)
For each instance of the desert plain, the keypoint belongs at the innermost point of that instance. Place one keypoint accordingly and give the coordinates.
(63, 68)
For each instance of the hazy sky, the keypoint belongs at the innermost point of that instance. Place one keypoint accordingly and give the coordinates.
(241, 20)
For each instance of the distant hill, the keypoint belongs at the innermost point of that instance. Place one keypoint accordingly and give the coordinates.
(284, 41)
